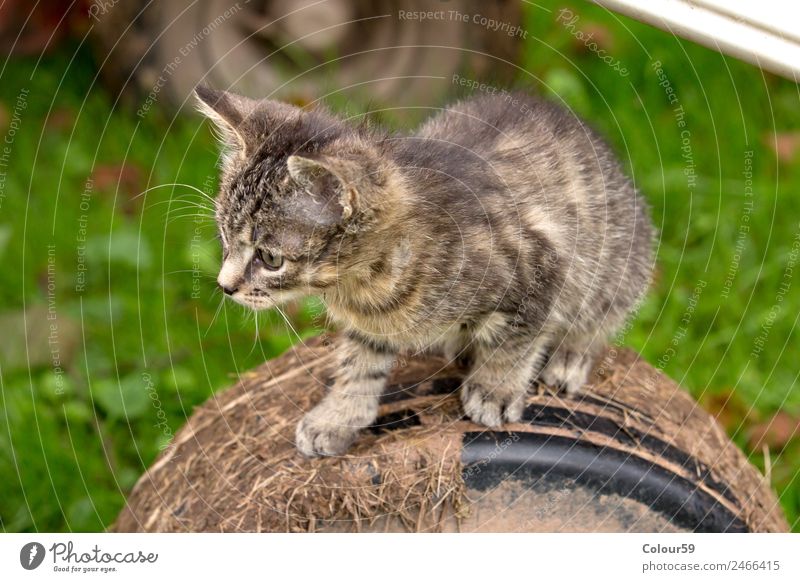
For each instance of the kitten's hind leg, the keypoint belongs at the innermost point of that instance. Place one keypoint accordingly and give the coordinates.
(495, 390)
(570, 363)
(352, 404)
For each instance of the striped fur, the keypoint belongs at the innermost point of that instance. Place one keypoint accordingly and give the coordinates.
(502, 232)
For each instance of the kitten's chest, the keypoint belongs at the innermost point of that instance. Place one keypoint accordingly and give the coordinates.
(406, 333)
(401, 330)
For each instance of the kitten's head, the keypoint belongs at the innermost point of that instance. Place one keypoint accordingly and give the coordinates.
(298, 190)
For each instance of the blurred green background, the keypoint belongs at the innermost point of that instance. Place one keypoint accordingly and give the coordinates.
(142, 335)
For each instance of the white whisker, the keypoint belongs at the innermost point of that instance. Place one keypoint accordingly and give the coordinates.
(288, 323)
(216, 313)
(174, 184)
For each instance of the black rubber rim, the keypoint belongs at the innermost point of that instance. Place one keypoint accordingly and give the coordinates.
(533, 458)
(537, 458)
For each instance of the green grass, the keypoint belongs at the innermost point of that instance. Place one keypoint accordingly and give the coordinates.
(141, 344)
(69, 458)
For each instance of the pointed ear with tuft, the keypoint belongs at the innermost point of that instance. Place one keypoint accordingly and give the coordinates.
(333, 187)
(229, 112)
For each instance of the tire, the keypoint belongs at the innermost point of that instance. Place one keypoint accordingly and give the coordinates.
(633, 453)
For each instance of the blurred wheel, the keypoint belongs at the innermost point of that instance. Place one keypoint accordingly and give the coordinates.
(298, 50)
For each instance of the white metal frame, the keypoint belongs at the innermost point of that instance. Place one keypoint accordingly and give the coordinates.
(765, 33)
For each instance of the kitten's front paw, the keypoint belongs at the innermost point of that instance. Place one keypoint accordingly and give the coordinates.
(567, 370)
(316, 436)
(492, 407)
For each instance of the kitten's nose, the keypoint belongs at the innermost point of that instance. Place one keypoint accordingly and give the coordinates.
(230, 277)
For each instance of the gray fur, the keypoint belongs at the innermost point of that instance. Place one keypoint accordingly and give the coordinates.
(503, 231)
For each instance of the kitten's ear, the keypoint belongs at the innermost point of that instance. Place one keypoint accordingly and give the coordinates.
(332, 184)
(228, 111)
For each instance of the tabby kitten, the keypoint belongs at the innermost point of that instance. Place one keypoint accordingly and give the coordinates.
(503, 232)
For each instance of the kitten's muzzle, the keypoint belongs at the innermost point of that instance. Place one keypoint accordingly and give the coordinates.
(230, 279)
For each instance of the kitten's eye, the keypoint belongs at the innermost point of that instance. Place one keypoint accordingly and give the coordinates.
(270, 261)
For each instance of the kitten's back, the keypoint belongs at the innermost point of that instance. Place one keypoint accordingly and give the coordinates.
(536, 162)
